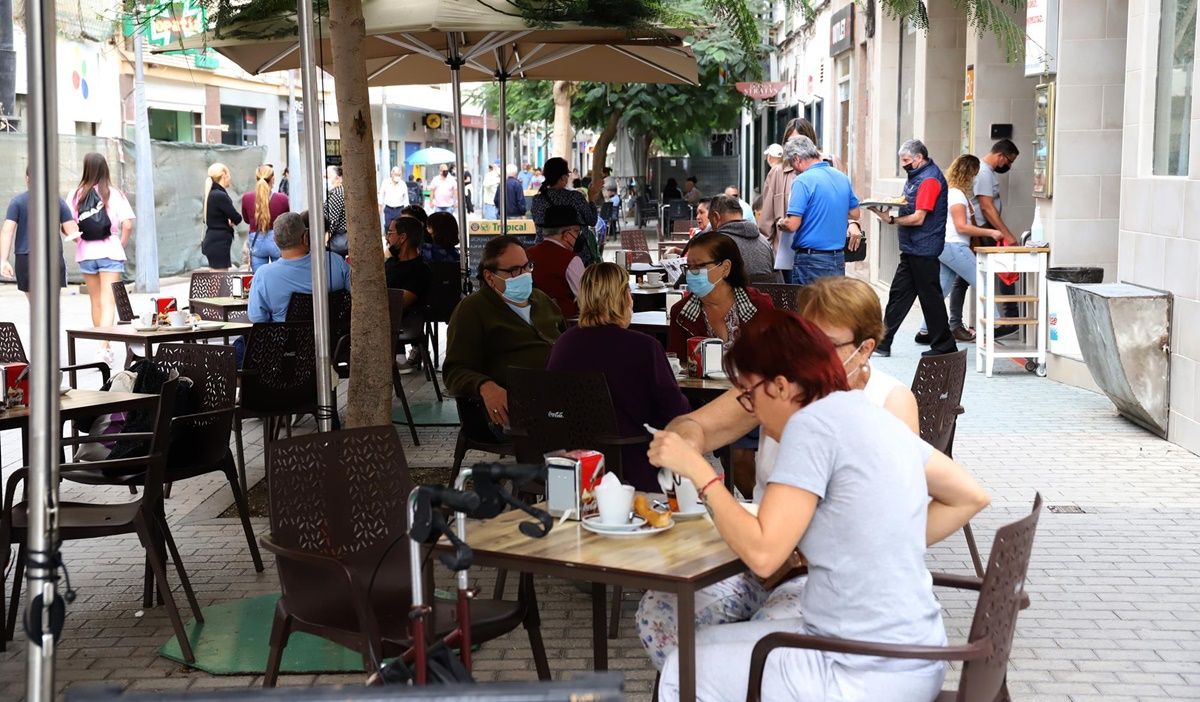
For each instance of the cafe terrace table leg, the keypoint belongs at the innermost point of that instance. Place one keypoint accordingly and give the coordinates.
(686, 634)
(599, 628)
(71, 355)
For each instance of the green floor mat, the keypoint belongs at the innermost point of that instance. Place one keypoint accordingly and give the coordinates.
(428, 414)
(235, 636)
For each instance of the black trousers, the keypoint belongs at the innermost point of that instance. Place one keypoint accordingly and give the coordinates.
(918, 277)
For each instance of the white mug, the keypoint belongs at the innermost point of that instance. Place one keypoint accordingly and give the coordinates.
(654, 279)
(148, 320)
(686, 495)
(178, 319)
(615, 503)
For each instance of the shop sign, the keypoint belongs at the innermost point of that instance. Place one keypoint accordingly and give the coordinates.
(170, 22)
(1041, 37)
(841, 30)
(492, 226)
(761, 90)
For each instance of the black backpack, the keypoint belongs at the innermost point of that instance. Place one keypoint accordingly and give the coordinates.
(94, 224)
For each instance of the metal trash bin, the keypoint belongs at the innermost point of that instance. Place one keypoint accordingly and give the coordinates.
(1063, 339)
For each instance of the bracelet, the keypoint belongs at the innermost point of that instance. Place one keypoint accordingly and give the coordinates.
(716, 479)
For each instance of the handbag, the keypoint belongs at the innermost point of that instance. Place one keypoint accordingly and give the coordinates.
(94, 224)
(858, 255)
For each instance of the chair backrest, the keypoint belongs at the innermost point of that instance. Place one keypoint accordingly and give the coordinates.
(553, 410)
(279, 369)
(300, 309)
(160, 445)
(11, 348)
(682, 225)
(124, 307)
(1000, 601)
(341, 494)
(210, 284)
(634, 240)
(212, 368)
(782, 294)
(472, 416)
(679, 209)
(938, 387)
(445, 291)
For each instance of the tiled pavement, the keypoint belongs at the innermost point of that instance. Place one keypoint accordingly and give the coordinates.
(1115, 606)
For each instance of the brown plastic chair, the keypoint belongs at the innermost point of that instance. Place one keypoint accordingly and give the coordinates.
(13, 351)
(938, 387)
(409, 330)
(633, 242)
(300, 309)
(278, 380)
(989, 643)
(89, 520)
(211, 284)
(339, 534)
(475, 433)
(782, 294)
(125, 314)
(555, 410)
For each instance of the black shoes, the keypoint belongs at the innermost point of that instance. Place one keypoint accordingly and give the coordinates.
(936, 352)
(923, 338)
(882, 352)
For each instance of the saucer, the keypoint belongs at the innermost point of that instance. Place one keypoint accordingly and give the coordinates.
(593, 523)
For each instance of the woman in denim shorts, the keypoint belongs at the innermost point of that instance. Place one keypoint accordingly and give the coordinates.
(102, 262)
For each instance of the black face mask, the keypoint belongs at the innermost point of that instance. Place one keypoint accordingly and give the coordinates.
(1002, 169)
(908, 168)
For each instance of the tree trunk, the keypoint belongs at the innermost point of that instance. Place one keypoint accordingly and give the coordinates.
(643, 161)
(561, 143)
(369, 400)
(600, 152)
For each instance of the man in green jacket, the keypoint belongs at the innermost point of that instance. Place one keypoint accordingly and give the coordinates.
(507, 323)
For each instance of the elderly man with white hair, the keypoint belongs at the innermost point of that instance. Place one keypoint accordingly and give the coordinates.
(822, 214)
(275, 282)
(393, 196)
(514, 193)
(921, 225)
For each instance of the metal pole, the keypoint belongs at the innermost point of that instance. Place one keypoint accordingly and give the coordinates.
(41, 487)
(296, 179)
(385, 154)
(455, 62)
(146, 278)
(503, 78)
(316, 219)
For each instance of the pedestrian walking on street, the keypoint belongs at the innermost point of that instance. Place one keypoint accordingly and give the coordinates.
(260, 209)
(922, 235)
(105, 221)
(554, 191)
(284, 183)
(393, 196)
(443, 191)
(16, 231)
(220, 217)
(335, 215)
(416, 195)
(777, 188)
(958, 261)
(514, 193)
(821, 203)
(491, 184)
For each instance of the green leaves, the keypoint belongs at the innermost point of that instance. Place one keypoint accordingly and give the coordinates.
(984, 16)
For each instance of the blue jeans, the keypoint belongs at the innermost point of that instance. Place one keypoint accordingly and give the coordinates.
(958, 261)
(810, 266)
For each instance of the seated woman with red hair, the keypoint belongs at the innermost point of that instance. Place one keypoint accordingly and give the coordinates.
(850, 490)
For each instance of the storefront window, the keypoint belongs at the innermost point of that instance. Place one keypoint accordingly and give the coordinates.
(172, 125)
(1173, 94)
(239, 126)
(907, 84)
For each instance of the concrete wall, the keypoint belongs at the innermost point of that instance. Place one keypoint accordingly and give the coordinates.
(1159, 230)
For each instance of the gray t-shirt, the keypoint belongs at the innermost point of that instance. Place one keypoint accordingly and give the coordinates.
(865, 546)
(988, 185)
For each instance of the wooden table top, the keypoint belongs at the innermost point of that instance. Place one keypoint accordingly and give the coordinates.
(81, 403)
(122, 332)
(717, 385)
(689, 551)
(232, 302)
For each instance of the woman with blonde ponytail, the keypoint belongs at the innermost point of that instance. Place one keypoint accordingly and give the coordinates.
(260, 208)
(220, 217)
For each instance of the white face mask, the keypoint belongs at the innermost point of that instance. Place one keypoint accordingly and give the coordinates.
(849, 358)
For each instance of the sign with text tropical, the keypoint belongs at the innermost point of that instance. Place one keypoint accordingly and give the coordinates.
(169, 22)
(492, 226)
(761, 90)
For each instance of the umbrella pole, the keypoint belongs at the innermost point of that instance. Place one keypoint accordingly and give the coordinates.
(503, 78)
(455, 61)
(316, 221)
(41, 486)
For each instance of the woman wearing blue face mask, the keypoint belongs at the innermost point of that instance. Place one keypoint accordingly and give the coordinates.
(719, 301)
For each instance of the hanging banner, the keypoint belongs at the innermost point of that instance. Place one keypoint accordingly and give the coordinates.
(1041, 37)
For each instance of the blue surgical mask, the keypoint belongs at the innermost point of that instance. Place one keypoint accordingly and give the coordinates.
(699, 284)
(519, 289)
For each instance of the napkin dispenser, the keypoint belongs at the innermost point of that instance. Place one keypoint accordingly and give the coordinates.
(712, 353)
(571, 480)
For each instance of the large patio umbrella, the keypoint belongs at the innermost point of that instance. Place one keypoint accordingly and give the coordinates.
(440, 41)
(430, 156)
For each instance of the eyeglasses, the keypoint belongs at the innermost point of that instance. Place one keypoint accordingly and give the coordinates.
(839, 344)
(515, 270)
(702, 266)
(746, 397)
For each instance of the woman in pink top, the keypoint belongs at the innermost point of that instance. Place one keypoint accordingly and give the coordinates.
(260, 209)
(102, 261)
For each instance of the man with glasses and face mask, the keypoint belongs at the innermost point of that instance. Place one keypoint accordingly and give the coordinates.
(275, 282)
(557, 270)
(506, 323)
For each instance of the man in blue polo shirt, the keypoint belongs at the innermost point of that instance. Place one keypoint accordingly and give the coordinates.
(821, 203)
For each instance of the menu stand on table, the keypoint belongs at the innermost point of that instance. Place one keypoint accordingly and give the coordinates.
(1023, 260)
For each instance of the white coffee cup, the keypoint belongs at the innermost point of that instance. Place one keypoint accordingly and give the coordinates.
(686, 495)
(615, 504)
(676, 366)
(178, 318)
(148, 320)
(654, 279)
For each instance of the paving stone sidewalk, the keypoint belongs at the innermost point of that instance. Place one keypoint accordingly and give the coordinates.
(1115, 607)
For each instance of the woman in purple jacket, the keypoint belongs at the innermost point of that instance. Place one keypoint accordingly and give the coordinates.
(640, 380)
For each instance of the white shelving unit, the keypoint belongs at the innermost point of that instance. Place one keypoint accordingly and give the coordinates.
(1025, 260)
